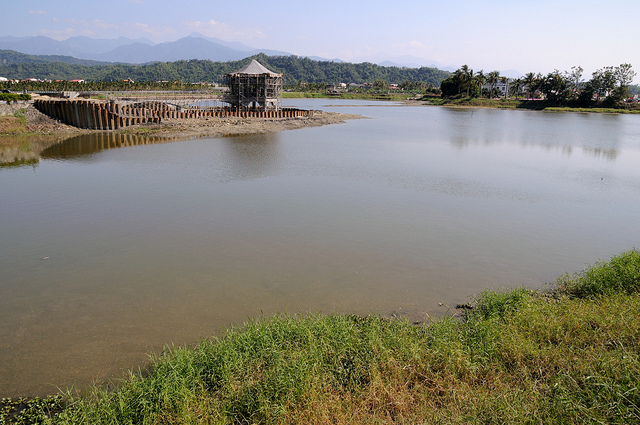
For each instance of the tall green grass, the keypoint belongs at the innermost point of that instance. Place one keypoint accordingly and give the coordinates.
(571, 355)
(621, 274)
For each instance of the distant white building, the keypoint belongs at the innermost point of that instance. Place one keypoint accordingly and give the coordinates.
(3, 79)
(503, 86)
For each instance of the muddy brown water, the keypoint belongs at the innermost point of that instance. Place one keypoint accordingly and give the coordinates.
(110, 253)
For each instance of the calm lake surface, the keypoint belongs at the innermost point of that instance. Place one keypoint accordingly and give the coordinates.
(107, 255)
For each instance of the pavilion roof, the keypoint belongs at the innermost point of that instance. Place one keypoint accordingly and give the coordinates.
(254, 68)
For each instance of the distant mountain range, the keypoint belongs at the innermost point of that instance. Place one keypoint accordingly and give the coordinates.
(195, 46)
(125, 50)
(89, 51)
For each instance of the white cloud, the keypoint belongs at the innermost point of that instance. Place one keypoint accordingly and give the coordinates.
(37, 12)
(102, 25)
(412, 47)
(415, 45)
(64, 27)
(224, 31)
(135, 29)
(75, 27)
(61, 34)
(103, 29)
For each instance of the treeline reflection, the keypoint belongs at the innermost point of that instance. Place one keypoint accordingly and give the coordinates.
(88, 144)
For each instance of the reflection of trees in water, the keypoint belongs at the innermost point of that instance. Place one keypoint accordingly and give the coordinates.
(608, 154)
(21, 150)
(253, 156)
(245, 156)
(553, 133)
(87, 144)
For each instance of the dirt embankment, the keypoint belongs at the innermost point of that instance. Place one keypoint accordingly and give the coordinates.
(211, 126)
(25, 132)
(34, 122)
(39, 123)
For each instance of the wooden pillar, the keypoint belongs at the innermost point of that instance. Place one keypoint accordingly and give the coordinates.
(81, 105)
(105, 118)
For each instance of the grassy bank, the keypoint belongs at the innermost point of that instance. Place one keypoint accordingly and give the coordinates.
(565, 355)
(474, 102)
(535, 105)
(13, 124)
(348, 96)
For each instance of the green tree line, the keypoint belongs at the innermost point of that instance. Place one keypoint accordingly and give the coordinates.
(295, 69)
(609, 85)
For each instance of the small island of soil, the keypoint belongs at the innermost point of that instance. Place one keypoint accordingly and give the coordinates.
(38, 123)
(22, 139)
(227, 126)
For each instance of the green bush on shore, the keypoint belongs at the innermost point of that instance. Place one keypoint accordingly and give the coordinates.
(13, 97)
(568, 355)
(536, 105)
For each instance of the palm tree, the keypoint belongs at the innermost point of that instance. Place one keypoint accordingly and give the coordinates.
(515, 86)
(458, 76)
(467, 77)
(529, 82)
(480, 80)
(492, 79)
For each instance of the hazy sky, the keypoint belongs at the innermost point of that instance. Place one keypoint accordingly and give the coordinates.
(531, 35)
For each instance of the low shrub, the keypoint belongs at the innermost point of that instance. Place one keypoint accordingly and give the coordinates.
(13, 97)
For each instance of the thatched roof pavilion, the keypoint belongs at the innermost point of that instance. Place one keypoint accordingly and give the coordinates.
(254, 87)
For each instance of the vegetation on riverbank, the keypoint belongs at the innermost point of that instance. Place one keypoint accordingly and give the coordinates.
(536, 105)
(609, 88)
(569, 354)
(475, 102)
(14, 97)
(347, 96)
(13, 124)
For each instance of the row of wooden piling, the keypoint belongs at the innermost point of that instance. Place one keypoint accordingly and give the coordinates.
(190, 113)
(111, 115)
(89, 114)
(229, 112)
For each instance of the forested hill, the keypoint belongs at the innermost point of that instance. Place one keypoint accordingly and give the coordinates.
(9, 57)
(15, 65)
(307, 70)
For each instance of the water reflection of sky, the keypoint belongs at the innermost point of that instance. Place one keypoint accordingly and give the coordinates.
(597, 135)
(601, 134)
(564, 131)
